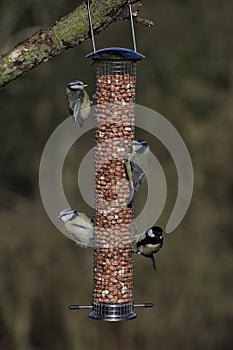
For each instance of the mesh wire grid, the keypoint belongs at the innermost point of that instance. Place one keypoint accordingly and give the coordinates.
(115, 124)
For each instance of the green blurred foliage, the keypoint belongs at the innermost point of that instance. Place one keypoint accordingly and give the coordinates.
(187, 77)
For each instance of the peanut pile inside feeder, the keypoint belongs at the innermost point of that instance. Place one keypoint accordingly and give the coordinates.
(113, 266)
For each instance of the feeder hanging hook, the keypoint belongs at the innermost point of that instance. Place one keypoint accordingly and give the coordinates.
(91, 26)
(132, 27)
(92, 32)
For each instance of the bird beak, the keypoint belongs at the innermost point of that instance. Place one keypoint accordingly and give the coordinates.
(85, 85)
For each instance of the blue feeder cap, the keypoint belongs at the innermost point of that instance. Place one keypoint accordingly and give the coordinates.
(115, 53)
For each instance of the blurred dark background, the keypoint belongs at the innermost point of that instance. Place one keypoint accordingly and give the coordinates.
(187, 77)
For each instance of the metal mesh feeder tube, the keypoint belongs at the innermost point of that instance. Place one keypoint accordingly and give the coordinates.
(113, 219)
(113, 231)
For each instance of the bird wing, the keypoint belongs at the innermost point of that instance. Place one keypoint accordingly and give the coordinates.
(77, 106)
(75, 100)
(138, 177)
(82, 235)
(79, 226)
(84, 109)
(85, 223)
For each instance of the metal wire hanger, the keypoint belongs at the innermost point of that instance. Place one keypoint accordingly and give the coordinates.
(92, 32)
(132, 27)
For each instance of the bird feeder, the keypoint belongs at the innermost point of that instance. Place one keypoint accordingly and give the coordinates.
(113, 229)
(115, 124)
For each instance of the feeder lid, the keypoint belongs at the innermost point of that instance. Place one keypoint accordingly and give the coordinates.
(113, 53)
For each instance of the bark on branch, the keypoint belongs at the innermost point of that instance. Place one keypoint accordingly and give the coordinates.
(66, 33)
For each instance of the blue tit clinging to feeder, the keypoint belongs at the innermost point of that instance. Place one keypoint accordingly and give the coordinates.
(149, 243)
(78, 101)
(79, 227)
(137, 166)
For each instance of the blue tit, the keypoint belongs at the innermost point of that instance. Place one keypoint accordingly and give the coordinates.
(79, 227)
(78, 101)
(149, 243)
(137, 166)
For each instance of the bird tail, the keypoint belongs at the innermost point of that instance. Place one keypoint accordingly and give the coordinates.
(80, 121)
(134, 189)
(130, 199)
(153, 261)
(76, 118)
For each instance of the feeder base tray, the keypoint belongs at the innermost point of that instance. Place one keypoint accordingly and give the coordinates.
(112, 312)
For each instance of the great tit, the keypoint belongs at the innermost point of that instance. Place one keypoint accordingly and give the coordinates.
(149, 243)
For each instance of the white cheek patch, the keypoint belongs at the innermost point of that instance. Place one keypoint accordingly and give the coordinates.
(150, 233)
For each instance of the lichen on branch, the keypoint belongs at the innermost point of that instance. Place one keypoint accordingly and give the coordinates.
(66, 33)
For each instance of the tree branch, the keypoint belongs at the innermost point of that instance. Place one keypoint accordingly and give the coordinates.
(66, 33)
